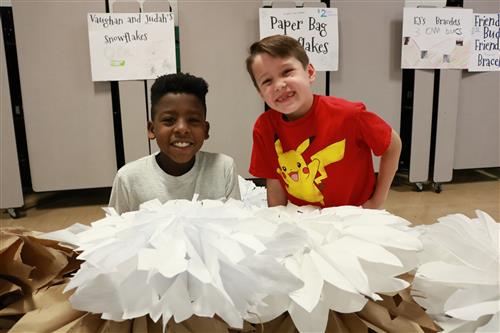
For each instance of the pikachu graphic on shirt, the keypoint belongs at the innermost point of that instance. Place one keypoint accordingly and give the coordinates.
(301, 178)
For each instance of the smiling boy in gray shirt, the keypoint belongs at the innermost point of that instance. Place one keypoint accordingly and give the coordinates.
(180, 169)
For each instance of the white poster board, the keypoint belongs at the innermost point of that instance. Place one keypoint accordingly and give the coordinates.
(315, 28)
(131, 46)
(485, 53)
(425, 3)
(436, 38)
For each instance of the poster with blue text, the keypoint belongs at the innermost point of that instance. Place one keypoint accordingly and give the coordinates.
(485, 53)
(131, 46)
(315, 28)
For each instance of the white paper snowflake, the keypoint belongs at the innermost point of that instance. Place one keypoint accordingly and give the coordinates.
(458, 280)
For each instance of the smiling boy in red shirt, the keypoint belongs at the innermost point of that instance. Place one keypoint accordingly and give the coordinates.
(315, 150)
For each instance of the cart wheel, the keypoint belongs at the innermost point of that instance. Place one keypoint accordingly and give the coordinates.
(419, 187)
(437, 187)
(13, 212)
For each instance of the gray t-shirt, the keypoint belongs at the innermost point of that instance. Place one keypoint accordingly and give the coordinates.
(213, 176)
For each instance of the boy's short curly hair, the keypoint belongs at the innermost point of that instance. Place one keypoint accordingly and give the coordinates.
(178, 83)
(278, 46)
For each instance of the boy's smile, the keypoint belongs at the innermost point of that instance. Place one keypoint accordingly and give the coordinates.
(180, 128)
(285, 96)
(284, 84)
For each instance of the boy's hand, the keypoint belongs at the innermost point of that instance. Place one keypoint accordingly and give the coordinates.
(373, 204)
(276, 195)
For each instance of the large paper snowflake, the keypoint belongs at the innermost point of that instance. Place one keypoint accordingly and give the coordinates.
(177, 259)
(458, 280)
(239, 261)
(344, 256)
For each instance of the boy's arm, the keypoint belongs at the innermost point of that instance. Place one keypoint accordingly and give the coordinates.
(118, 198)
(232, 183)
(276, 195)
(388, 166)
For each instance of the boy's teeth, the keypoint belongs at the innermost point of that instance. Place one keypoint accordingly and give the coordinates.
(181, 144)
(281, 99)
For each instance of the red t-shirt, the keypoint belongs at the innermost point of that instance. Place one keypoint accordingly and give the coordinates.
(325, 157)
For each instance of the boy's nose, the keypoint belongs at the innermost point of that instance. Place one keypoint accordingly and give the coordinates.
(181, 126)
(280, 85)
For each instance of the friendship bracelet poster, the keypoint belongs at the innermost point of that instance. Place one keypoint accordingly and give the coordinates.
(485, 51)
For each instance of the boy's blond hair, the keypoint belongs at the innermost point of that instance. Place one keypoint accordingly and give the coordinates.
(278, 46)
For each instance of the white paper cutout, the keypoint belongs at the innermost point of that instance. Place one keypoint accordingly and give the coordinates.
(244, 262)
(459, 275)
(251, 194)
(325, 252)
(176, 259)
(239, 261)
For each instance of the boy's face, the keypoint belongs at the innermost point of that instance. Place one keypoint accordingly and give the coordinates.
(179, 127)
(284, 84)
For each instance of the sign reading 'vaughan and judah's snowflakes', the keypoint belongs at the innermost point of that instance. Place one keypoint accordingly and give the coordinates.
(315, 28)
(131, 46)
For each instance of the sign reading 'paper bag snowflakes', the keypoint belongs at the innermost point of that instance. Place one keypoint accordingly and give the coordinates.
(315, 28)
(436, 38)
(131, 46)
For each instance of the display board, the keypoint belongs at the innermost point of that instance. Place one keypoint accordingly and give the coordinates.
(436, 38)
(485, 50)
(315, 28)
(131, 46)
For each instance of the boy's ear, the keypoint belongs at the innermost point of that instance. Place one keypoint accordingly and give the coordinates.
(151, 131)
(311, 72)
(207, 130)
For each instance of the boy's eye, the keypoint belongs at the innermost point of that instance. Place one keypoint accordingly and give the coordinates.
(287, 72)
(266, 82)
(168, 120)
(195, 120)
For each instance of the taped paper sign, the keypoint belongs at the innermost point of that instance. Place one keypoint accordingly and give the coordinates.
(485, 53)
(436, 38)
(315, 28)
(131, 46)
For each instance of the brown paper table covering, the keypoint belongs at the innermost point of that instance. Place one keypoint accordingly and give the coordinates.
(33, 274)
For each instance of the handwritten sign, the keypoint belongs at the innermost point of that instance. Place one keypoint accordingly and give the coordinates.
(131, 46)
(315, 28)
(436, 37)
(485, 53)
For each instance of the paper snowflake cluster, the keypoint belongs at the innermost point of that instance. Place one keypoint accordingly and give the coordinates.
(238, 261)
(251, 194)
(177, 259)
(243, 261)
(344, 256)
(458, 281)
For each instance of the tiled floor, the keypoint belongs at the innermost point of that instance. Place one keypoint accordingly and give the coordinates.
(470, 190)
